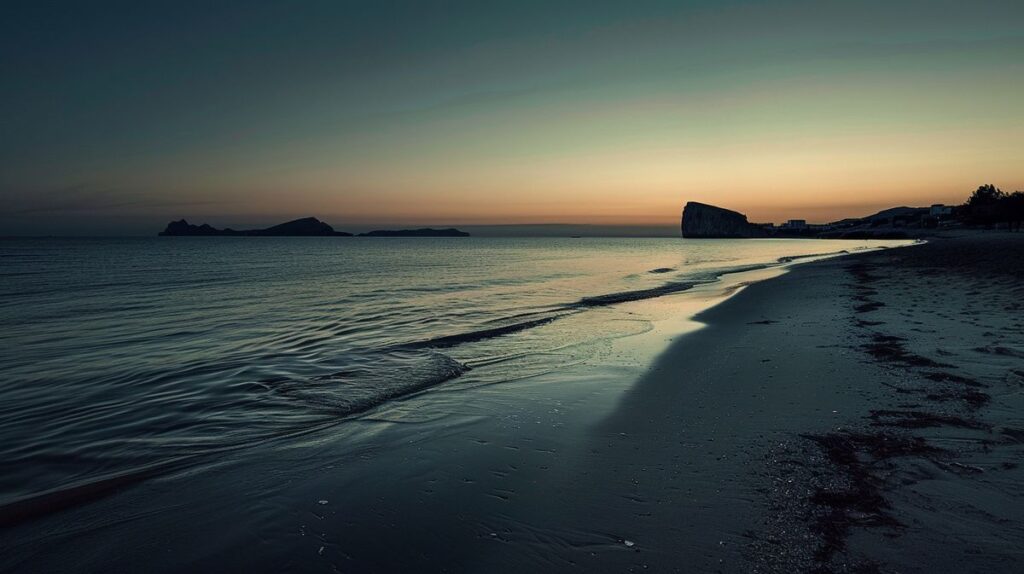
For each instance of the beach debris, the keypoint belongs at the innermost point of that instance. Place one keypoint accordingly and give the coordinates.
(320, 552)
(967, 467)
(921, 419)
(890, 349)
(1015, 434)
(629, 543)
(942, 377)
(322, 502)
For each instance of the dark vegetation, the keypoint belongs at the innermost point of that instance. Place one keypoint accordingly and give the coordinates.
(990, 206)
(987, 207)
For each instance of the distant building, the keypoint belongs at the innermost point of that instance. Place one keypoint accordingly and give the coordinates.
(939, 210)
(800, 227)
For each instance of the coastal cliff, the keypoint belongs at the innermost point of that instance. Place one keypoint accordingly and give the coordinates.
(701, 220)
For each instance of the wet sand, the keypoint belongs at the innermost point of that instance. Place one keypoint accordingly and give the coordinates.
(855, 414)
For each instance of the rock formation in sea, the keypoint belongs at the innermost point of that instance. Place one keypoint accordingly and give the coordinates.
(305, 227)
(182, 227)
(707, 221)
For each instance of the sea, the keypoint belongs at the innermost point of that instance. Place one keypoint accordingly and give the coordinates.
(124, 358)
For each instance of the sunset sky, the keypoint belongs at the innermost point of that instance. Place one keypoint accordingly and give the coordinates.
(117, 117)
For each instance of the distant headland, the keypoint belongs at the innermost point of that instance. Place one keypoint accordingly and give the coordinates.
(304, 227)
(987, 207)
(704, 221)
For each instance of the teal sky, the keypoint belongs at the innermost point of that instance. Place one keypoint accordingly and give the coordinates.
(117, 116)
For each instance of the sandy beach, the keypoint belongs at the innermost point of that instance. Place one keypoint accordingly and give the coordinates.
(916, 466)
(856, 414)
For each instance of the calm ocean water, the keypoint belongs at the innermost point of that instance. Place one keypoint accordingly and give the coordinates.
(122, 356)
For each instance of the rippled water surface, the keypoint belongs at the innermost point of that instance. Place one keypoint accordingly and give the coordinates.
(121, 355)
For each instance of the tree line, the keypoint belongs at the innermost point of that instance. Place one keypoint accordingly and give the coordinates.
(989, 205)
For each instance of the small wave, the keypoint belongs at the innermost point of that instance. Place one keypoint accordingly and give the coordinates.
(32, 507)
(285, 405)
(635, 295)
(481, 334)
(581, 305)
(665, 289)
(368, 384)
(792, 258)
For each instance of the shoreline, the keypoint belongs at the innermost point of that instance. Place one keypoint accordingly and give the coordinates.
(731, 451)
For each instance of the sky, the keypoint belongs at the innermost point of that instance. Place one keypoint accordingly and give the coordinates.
(118, 117)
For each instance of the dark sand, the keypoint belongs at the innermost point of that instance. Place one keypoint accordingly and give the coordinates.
(858, 414)
(925, 477)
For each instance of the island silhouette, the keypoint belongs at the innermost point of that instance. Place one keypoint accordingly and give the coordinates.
(303, 227)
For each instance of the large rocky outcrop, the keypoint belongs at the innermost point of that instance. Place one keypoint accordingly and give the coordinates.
(307, 226)
(707, 221)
